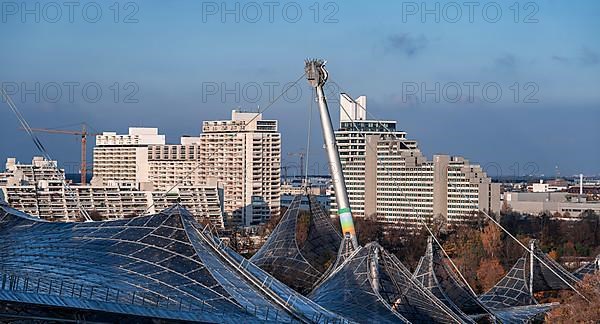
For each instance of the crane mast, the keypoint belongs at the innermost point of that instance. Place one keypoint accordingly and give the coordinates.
(83, 134)
(317, 76)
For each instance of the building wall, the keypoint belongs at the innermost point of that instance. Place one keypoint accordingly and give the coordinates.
(388, 177)
(39, 190)
(551, 202)
(244, 155)
(241, 155)
(123, 159)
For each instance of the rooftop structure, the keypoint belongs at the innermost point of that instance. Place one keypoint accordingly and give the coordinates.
(588, 269)
(300, 262)
(371, 285)
(532, 273)
(164, 266)
(435, 273)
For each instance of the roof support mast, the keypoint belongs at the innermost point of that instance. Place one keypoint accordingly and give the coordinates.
(317, 76)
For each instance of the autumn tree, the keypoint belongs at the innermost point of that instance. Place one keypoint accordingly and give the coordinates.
(489, 273)
(466, 250)
(368, 230)
(576, 309)
(491, 238)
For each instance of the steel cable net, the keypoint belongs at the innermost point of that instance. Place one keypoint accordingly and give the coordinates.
(372, 286)
(588, 269)
(300, 264)
(512, 289)
(512, 297)
(435, 274)
(546, 277)
(164, 266)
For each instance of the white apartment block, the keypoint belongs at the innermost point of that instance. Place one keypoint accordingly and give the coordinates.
(388, 177)
(123, 159)
(176, 165)
(38, 189)
(244, 155)
(241, 155)
(39, 169)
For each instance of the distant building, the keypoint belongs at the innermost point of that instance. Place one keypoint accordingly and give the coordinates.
(551, 186)
(388, 177)
(319, 188)
(242, 156)
(123, 159)
(39, 169)
(550, 202)
(38, 189)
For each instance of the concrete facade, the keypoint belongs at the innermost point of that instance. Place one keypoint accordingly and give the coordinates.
(389, 178)
(241, 155)
(38, 189)
(550, 202)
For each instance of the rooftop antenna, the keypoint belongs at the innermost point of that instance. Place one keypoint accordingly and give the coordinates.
(317, 76)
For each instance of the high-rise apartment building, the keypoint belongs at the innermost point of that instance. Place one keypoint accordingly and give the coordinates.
(388, 177)
(176, 165)
(244, 155)
(123, 159)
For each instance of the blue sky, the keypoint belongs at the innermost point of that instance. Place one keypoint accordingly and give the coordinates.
(164, 56)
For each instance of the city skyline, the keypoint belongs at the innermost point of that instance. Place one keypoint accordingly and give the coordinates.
(177, 78)
(300, 162)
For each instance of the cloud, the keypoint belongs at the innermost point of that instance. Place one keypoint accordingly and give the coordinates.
(508, 61)
(589, 57)
(406, 44)
(560, 59)
(586, 57)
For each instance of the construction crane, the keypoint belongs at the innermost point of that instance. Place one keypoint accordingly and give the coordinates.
(301, 155)
(84, 134)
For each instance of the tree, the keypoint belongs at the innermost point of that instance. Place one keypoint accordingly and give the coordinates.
(467, 252)
(406, 244)
(491, 238)
(368, 230)
(489, 273)
(553, 255)
(575, 309)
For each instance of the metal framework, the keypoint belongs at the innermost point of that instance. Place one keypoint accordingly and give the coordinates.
(509, 302)
(435, 274)
(512, 290)
(549, 275)
(163, 266)
(588, 269)
(300, 265)
(372, 286)
(512, 298)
